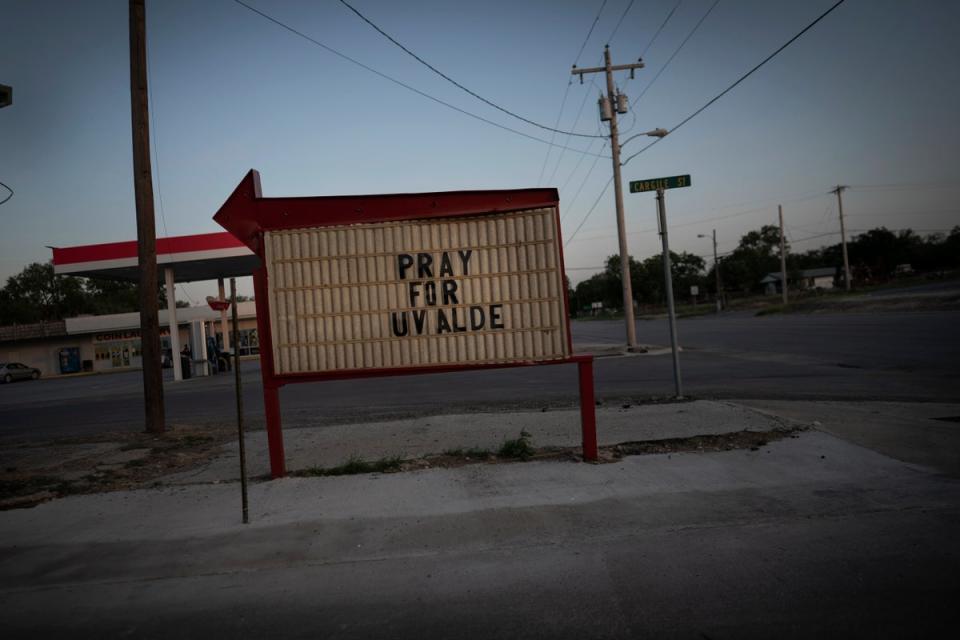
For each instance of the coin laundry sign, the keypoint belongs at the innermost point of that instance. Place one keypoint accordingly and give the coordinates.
(460, 290)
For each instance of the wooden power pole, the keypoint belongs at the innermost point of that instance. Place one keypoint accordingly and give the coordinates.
(610, 105)
(783, 257)
(146, 228)
(843, 237)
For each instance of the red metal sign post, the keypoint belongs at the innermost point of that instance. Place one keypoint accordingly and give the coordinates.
(399, 284)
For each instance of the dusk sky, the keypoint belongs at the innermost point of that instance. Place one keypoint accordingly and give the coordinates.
(868, 98)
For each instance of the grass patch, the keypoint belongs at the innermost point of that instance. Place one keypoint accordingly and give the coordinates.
(472, 452)
(774, 308)
(24, 486)
(356, 465)
(519, 448)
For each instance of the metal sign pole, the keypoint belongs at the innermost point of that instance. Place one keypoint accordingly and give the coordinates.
(236, 369)
(668, 285)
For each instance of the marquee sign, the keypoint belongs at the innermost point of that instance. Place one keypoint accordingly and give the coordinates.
(356, 286)
(445, 291)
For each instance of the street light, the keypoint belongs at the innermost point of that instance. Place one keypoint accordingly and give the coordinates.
(659, 132)
(716, 267)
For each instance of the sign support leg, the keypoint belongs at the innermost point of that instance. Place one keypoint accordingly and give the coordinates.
(588, 409)
(240, 438)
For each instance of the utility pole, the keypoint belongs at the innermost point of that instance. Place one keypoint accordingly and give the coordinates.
(610, 105)
(716, 269)
(783, 257)
(843, 237)
(146, 228)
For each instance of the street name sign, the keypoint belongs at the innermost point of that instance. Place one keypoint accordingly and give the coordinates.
(673, 182)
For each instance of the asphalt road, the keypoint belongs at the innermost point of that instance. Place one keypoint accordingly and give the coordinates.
(844, 356)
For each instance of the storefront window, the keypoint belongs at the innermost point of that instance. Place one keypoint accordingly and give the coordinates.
(249, 342)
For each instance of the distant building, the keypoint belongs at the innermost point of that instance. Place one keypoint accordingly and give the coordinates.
(111, 342)
(819, 278)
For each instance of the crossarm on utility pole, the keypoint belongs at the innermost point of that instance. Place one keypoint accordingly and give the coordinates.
(613, 67)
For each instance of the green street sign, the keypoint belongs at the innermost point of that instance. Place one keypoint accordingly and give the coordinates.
(673, 182)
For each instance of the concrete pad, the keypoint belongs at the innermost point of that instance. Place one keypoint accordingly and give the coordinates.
(330, 446)
(908, 431)
(173, 512)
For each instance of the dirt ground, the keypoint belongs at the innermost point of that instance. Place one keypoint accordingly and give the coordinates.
(36, 472)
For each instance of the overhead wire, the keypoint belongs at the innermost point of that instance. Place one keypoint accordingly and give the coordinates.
(454, 82)
(620, 21)
(649, 44)
(155, 147)
(392, 79)
(563, 103)
(677, 50)
(576, 120)
(582, 184)
(9, 195)
(662, 25)
(737, 214)
(740, 79)
(592, 207)
(590, 32)
(904, 186)
(553, 135)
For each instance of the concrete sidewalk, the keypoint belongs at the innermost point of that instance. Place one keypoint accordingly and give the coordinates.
(806, 537)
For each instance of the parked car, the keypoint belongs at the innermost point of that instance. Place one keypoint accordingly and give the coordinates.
(10, 371)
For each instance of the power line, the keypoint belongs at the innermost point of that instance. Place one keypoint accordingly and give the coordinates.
(662, 25)
(10, 195)
(454, 82)
(677, 50)
(654, 38)
(692, 223)
(620, 21)
(391, 79)
(553, 135)
(155, 146)
(563, 102)
(583, 103)
(590, 32)
(594, 206)
(577, 166)
(582, 184)
(905, 186)
(905, 213)
(741, 79)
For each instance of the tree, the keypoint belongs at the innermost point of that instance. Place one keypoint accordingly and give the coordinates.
(37, 295)
(113, 296)
(757, 255)
(686, 270)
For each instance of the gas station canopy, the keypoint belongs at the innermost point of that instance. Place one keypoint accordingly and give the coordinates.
(207, 256)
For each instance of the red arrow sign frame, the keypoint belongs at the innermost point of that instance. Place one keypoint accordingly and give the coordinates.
(247, 215)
